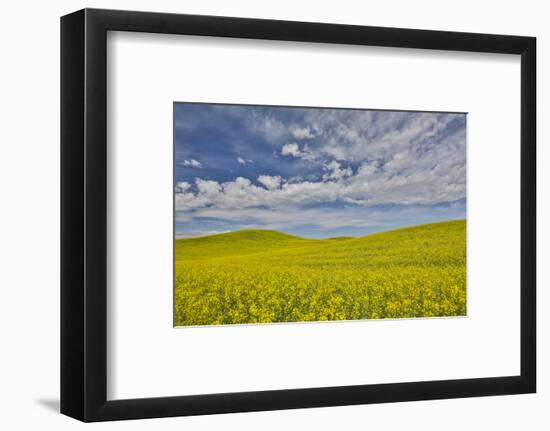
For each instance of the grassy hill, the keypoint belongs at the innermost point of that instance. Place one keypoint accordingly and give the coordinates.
(239, 243)
(255, 276)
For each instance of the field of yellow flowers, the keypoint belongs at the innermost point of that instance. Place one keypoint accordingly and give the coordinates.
(262, 276)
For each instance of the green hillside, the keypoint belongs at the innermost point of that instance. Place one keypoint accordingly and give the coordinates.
(260, 276)
(239, 243)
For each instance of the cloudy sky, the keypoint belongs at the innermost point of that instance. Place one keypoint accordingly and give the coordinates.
(315, 172)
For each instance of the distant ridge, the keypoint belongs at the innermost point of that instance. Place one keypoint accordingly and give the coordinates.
(269, 234)
(254, 241)
(244, 241)
(252, 234)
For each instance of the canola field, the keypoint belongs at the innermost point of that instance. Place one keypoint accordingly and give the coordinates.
(262, 276)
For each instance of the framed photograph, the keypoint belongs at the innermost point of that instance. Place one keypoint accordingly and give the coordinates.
(262, 215)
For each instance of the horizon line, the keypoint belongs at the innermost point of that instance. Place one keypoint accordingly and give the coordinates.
(314, 239)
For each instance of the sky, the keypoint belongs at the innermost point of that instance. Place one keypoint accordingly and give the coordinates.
(315, 172)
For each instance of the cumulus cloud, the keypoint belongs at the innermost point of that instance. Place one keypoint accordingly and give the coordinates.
(371, 185)
(293, 149)
(356, 160)
(182, 186)
(335, 171)
(302, 133)
(192, 163)
(270, 182)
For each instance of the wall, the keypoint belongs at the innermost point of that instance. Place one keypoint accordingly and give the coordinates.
(29, 231)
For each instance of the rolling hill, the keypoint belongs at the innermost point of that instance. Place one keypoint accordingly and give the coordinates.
(261, 276)
(238, 243)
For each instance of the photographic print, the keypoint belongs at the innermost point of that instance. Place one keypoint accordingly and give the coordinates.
(302, 214)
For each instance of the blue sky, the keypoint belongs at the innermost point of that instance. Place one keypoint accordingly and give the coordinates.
(315, 173)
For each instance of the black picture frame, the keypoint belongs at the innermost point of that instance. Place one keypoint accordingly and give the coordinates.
(84, 214)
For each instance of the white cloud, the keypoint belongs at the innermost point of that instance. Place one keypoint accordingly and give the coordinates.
(270, 182)
(370, 186)
(358, 136)
(293, 149)
(182, 186)
(323, 218)
(266, 125)
(302, 133)
(244, 161)
(335, 171)
(208, 187)
(360, 158)
(193, 163)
